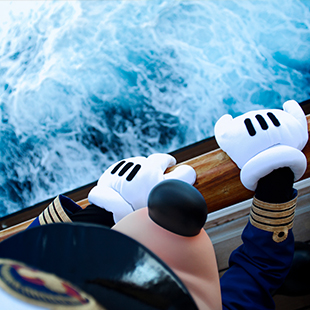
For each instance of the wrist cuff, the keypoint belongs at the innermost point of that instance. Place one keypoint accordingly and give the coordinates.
(273, 217)
(54, 213)
(275, 157)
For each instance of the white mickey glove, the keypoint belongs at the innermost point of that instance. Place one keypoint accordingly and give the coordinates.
(125, 186)
(264, 140)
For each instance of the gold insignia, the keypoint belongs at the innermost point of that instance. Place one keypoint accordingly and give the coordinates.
(273, 217)
(54, 213)
(42, 289)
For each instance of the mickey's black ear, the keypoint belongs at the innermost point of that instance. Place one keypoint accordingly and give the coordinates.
(178, 207)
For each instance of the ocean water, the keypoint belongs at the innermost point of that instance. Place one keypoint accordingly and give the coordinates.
(86, 83)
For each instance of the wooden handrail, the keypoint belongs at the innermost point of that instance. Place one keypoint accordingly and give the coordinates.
(217, 179)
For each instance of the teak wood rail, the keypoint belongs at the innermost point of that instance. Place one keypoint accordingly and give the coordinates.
(217, 179)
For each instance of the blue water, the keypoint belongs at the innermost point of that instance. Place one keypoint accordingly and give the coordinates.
(84, 84)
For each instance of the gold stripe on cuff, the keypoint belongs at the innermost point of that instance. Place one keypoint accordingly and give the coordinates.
(60, 211)
(54, 213)
(276, 218)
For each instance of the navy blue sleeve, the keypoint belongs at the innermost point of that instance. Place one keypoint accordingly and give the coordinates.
(257, 268)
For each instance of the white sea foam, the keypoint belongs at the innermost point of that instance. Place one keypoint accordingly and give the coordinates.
(86, 83)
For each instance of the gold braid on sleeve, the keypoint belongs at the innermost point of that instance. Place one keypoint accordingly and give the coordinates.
(273, 217)
(54, 213)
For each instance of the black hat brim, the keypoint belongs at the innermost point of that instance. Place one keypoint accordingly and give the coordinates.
(113, 268)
